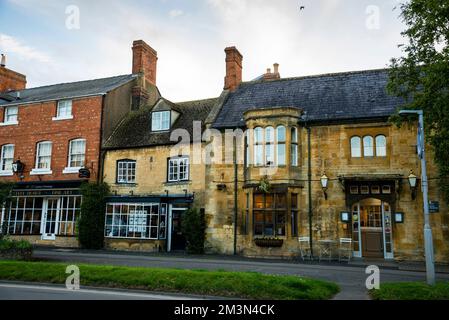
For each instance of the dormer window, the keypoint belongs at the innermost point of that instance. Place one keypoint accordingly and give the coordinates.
(160, 121)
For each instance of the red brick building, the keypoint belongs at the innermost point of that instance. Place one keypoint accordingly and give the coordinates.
(50, 142)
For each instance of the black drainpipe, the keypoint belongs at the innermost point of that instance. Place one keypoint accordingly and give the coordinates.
(235, 196)
(310, 188)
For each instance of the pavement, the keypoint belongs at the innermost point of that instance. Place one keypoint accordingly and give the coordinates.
(350, 277)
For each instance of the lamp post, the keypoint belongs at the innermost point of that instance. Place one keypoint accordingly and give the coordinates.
(324, 181)
(428, 239)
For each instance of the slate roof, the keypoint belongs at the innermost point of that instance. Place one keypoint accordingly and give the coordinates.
(135, 129)
(65, 90)
(327, 97)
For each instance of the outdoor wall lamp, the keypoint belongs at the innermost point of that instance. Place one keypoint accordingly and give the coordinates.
(324, 182)
(18, 168)
(412, 180)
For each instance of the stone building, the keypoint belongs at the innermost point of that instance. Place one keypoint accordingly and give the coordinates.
(306, 133)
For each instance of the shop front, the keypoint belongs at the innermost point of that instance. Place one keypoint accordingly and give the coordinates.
(151, 223)
(44, 213)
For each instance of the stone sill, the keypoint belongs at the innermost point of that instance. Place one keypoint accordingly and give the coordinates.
(4, 124)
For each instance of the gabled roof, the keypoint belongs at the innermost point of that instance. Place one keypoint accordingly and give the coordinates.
(67, 90)
(327, 97)
(135, 129)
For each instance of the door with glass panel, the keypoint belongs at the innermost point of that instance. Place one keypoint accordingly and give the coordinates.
(50, 218)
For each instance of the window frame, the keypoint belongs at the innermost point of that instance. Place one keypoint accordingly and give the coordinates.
(259, 147)
(6, 172)
(377, 147)
(161, 121)
(269, 143)
(294, 147)
(178, 161)
(69, 169)
(37, 170)
(58, 113)
(117, 173)
(281, 143)
(274, 210)
(360, 147)
(366, 147)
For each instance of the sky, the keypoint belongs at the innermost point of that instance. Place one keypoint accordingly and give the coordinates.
(57, 41)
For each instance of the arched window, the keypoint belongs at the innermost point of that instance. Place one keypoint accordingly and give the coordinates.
(280, 136)
(356, 147)
(258, 146)
(43, 155)
(368, 146)
(294, 147)
(269, 146)
(381, 146)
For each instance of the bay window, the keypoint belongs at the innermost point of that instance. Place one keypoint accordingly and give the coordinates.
(269, 214)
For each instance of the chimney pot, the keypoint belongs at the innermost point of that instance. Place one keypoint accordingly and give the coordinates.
(233, 68)
(276, 68)
(268, 70)
(3, 61)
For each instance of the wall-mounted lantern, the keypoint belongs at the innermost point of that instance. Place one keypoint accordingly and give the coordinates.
(18, 167)
(413, 180)
(324, 182)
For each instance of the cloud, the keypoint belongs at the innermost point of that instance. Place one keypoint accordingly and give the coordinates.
(11, 45)
(175, 13)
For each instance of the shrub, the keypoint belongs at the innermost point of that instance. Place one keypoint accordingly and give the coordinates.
(193, 228)
(12, 249)
(91, 222)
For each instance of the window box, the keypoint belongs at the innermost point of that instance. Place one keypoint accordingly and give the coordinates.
(269, 242)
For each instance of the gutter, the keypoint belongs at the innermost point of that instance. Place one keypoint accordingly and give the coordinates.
(235, 196)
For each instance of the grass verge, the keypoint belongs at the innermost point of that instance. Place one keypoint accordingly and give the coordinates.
(250, 285)
(411, 291)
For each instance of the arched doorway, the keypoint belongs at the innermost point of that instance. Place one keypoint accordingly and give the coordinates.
(371, 229)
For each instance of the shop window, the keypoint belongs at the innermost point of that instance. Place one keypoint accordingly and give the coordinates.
(269, 214)
(70, 210)
(136, 221)
(126, 171)
(24, 216)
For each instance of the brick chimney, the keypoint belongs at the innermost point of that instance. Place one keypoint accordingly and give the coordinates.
(145, 60)
(233, 68)
(10, 80)
(272, 75)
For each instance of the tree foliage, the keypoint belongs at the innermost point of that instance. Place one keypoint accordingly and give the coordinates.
(193, 228)
(421, 75)
(91, 221)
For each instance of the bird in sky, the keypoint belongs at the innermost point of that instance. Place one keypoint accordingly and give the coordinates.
(302, 8)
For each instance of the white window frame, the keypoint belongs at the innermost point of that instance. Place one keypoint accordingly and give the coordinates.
(259, 146)
(354, 148)
(269, 147)
(125, 176)
(177, 164)
(281, 144)
(42, 171)
(64, 104)
(294, 147)
(159, 123)
(69, 169)
(379, 148)
(368, 146)
(7, 113)
(6, 172)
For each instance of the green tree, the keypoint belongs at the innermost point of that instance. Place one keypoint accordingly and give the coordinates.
(193, 228)
(91, 221)
(421, 75)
